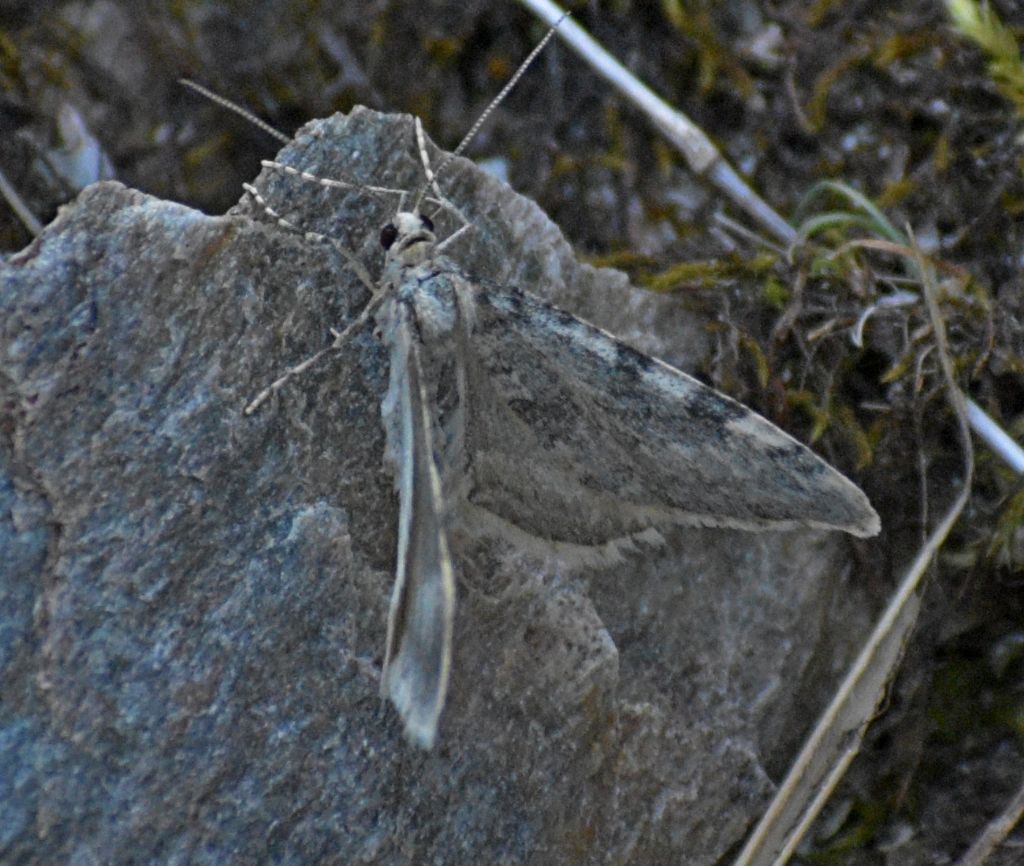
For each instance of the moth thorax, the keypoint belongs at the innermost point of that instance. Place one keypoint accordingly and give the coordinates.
(409, 238)
(436, 310)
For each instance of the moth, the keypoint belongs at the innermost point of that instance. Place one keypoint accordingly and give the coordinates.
(552, 427)
(522, 421)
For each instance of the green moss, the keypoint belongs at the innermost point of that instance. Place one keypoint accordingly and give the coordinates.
(443, 50)
(1006, 545)
(759, 358)
(815, 109)
(195, 156)
(775, 293)
(979, 23)
(900, 46)
(693, 19)
(10, 61)
(707, 273)
(896, 192)
(862, 824)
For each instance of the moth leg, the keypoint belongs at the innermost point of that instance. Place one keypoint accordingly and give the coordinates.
(376, 296)
(301, 367)
(357, 266)
(440, 247)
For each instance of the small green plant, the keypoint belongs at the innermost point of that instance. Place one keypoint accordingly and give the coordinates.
(978, 22)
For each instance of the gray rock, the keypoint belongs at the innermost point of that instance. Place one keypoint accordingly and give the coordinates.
(194, 602)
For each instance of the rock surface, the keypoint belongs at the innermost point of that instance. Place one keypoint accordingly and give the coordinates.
(194, 602)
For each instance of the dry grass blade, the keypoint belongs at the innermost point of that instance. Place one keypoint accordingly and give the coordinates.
(691, 141)
(995, 832)
(837, 736)
(21, 210)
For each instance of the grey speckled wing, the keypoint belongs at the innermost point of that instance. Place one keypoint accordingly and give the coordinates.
(574, 437)
(529, 422)
(419, 641)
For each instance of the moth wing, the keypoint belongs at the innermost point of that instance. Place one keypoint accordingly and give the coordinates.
(419, 641)
(575, 437)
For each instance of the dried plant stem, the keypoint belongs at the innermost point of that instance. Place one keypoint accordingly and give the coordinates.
(837, 736)
(21, 210)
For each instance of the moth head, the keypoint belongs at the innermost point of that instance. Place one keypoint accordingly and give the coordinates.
(409, 238)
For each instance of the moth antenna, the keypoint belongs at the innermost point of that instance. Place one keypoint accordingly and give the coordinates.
(442, 202)
(280, 136)
(494, 103)
(224, 102)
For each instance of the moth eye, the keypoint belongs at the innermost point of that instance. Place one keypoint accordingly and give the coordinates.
(426, 222)
(388, 235)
